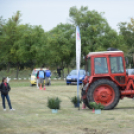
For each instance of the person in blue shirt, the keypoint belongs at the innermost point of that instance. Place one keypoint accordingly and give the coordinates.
(48, 75)
(41, 75)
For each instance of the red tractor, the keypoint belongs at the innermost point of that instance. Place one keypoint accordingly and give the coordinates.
(106, 81)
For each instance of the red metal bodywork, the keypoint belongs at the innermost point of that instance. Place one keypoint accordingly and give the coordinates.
(124, 82)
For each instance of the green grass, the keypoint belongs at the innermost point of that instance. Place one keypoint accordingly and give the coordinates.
(12, 73)
(32, 116)
(26, 83)
(26, 73)
(19, 83)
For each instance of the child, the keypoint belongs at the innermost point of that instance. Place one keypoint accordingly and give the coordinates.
(5, 88)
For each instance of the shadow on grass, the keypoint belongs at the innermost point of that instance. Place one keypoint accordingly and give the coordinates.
(123, 108)
(118, 108)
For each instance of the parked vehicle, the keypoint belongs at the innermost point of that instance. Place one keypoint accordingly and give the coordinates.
(106, 81)
(72, 77)
(130, 71)
(34, 75)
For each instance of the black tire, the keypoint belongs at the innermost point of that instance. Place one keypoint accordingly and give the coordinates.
(67, 83)
(31, 85)
(99, 82)
(85, 101)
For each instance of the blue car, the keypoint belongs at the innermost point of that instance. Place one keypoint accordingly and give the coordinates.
(72, 77)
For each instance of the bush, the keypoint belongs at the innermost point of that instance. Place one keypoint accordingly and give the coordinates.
(54, 103)
(75, 100)
(96, 105)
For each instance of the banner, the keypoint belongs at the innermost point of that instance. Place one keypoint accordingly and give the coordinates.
(78, 56)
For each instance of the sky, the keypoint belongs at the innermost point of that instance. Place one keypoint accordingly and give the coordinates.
(49, 13)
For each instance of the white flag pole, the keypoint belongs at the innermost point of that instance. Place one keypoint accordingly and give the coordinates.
(78, 56)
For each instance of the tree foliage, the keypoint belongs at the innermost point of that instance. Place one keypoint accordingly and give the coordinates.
(27, 45)
(127, 32)
(96, 34)
(62, 43)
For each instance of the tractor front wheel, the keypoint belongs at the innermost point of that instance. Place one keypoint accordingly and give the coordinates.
(105, 92)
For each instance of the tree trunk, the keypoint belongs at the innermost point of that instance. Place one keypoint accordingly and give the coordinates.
(17, 71)
(32, 66)
(62, 70)
(8, 67)
(68, 68)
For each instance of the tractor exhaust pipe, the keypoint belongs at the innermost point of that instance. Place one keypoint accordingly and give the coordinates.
(127, 92)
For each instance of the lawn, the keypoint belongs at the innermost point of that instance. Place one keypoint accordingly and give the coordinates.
(33, 117)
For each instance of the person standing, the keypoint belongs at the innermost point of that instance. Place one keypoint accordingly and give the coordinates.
(48, 75)
(5, 88)
(59, 71)
(41, 76)
(37, 81)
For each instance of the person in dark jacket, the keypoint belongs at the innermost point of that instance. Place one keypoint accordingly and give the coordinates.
(5, 88)
(59, 71)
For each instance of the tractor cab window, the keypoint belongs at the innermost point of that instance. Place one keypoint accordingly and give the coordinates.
(116, 65)
(88, 70)
(100, 65)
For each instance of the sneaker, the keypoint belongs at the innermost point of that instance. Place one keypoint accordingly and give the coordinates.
(12, 109)
(83, 108)
(4, 109)
(40, 88)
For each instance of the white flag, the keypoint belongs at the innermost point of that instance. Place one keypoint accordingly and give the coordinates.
(78, 49)
(78, 56)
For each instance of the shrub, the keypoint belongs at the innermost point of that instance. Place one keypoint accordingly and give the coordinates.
(96, 105)
(54, 103)
(75, 100)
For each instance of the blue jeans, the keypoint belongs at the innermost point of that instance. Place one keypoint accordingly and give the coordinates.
(8, 100)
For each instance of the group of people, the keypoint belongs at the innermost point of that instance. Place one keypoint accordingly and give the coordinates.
(45, 75)
(41, 76)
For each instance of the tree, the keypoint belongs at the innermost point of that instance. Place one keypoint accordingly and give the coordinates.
(31, 44)
(21, 44)
(2, 23)
(96, 34)
(8, 38)
(61, 44)
(127, 32)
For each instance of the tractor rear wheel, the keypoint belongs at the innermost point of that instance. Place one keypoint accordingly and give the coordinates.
(105, 92)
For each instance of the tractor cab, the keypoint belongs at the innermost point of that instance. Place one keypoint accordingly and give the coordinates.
(107, 64)
(106, 78)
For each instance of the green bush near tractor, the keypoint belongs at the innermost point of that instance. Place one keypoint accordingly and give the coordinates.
(94, 105)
